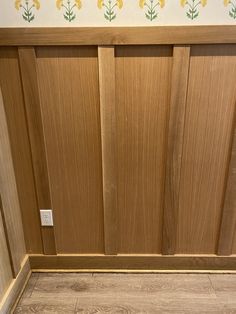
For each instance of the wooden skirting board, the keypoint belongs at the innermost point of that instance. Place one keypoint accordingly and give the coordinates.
(16, 288)
(116, 264)
(134, 263)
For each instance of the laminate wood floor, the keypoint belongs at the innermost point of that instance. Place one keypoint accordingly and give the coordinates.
(128, 293)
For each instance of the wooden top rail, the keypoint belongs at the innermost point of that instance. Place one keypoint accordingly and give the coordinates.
(118, 35)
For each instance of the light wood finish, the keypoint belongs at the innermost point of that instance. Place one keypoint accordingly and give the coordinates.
(133, 262)
(10, 82)
(181, 56)
(32, 103)
(118, 35)
(142, 107)
(69, 91)
(234, 244)
(106, 58)
(5, 263)
(126, 293)
(15, 288)
(228, 224)
(209, 117)
(9, 196)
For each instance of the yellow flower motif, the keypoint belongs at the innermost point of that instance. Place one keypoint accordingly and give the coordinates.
(204, 2)
(59, 4)
(36, 4)
(119, 3)
(17, 4)
(141, 3)
(78, 3)
(226, 2)
(183, 2)
(162, 3)
(100, 4)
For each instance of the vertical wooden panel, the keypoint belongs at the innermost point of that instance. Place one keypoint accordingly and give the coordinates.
(10, 82)
(209, 118)
(234, 243)
(69, 91)
(228, 224)
(106, 56)
(5, 265)
(143, 77)
(9, 196)
(32, 104)
(179, 85)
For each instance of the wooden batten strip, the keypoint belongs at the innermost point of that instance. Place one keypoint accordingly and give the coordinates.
(181, 57)
(106, 58)
(27, 59)
(228, 224)
(209, 34)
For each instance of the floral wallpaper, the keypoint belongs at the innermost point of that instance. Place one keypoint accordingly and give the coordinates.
(53, 13)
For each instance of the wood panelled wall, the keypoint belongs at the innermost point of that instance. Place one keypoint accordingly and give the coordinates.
(133, 147)
(12, 243)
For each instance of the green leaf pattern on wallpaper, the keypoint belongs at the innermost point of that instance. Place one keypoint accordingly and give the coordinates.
(151, 7)
(27, 7)
(193, 7)
(69, 7)
(111, 8)
(232, 5)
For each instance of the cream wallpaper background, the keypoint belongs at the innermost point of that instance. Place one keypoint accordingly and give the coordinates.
(53, 13)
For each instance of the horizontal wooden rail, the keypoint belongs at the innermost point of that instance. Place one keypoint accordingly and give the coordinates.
(118, 35)
(133, 262)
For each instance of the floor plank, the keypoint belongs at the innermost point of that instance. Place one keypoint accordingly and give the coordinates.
(46, 305)
(129, 293)
(74, 285)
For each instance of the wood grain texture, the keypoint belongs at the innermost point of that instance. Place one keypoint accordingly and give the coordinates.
(181, 56)
(209, 117)
(69, 91)
(106, 58)
(10, 82)
(126, 293)
(5, 264)
(228, 223)
(234, 244)
(15, 288)
(46, 305)
(133, 262)
(9, 196)
(143, 76)
(32, 103)
(118, 35)
(95, 285)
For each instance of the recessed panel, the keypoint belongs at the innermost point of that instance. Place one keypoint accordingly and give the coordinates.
(69, 92)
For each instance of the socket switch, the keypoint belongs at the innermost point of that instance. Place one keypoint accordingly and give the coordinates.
(46, 217)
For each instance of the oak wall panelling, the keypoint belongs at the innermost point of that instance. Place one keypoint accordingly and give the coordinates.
(179, 84)
(208, 127)
(69, 93)
(106, 57)
(142, 108)
(27, 60)
(9, 197)
(132, 145)
(5, 263)
(228, 225)
(10, 82)
(156, 35)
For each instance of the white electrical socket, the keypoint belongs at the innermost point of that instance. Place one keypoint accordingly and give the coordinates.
(46, 217)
